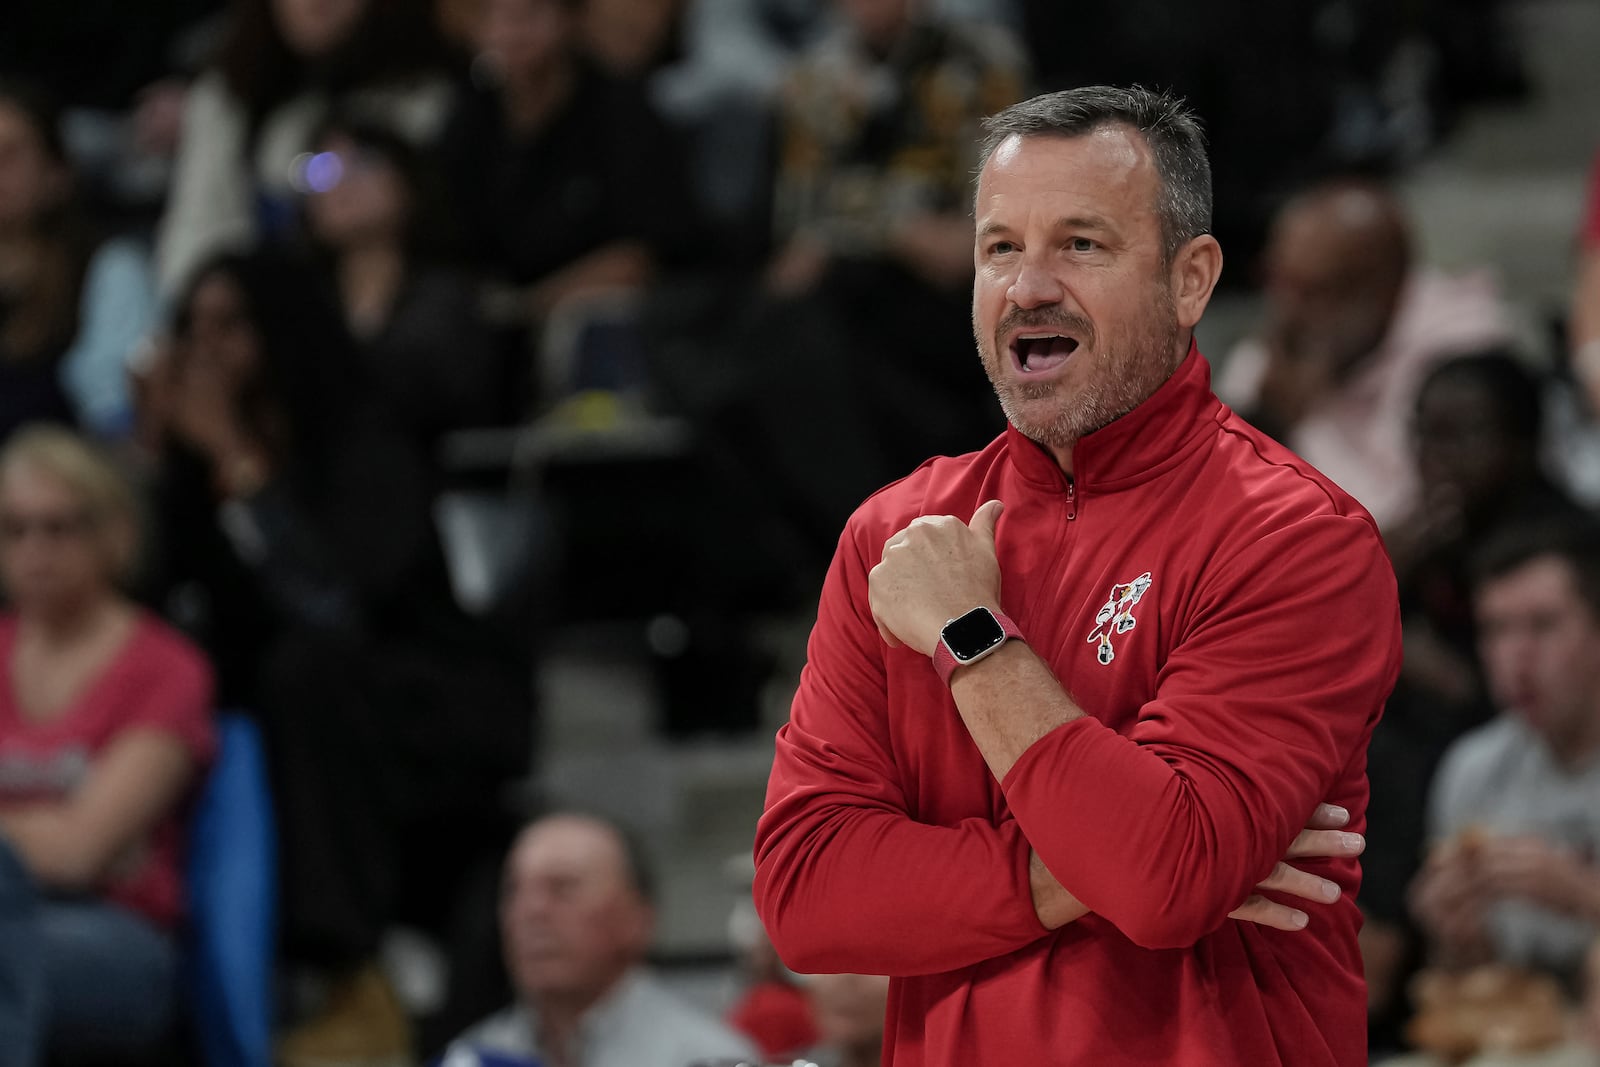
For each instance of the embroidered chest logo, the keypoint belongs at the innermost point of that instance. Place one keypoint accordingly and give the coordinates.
(1116, 616)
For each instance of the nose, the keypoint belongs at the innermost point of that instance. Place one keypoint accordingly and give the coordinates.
(1035, 286)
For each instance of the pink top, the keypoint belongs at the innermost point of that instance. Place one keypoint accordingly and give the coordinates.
(157, 681)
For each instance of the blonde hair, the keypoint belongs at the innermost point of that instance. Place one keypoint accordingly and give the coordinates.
(108, 501)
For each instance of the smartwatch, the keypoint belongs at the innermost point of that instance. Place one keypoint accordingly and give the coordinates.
(969, 638)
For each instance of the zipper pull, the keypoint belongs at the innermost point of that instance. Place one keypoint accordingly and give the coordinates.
(1072, 498)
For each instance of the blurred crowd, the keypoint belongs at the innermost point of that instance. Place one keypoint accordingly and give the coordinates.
(287, 287)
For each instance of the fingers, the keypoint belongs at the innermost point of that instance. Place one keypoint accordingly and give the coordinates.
(1263, 912)
(1326, 844)
(1328, 817)
(984, 520)
(1295, 882)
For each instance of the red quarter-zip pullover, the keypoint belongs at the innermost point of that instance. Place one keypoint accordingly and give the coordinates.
(1227, 619)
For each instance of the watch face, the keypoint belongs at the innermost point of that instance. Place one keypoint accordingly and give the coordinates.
(972, 634)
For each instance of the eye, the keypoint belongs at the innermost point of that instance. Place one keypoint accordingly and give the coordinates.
(1002, 248)
(1081, 244)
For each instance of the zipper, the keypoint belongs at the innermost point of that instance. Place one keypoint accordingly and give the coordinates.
(1072, 498)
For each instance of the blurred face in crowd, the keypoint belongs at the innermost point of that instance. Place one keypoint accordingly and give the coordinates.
(879, 22)
(571, 919)
(1334, 270)
(219, 334)
(849, 1009)
(364, 198)
(31, 180)
(316, 27)
(56, 555)
(1074, 305)
(1540, 645)
(523, 38)
(1462, 446)
(627, 35)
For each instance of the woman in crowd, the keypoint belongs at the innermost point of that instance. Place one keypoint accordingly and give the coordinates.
(281, 66)
(71, 308)
(298, 545)
(104, 729)
(375, 223)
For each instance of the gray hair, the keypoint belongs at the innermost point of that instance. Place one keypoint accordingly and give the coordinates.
(1171, 130)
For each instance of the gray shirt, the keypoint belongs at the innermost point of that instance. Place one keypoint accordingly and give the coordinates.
(1503, 778)
(637, 1024)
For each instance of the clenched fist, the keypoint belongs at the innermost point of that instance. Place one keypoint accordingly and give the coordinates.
(932, 571)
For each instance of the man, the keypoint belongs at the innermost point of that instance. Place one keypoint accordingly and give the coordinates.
(1352, 326)
(576, 920)
(1477, 435)
(1515, 811)
(860, 304)
(1042, 846)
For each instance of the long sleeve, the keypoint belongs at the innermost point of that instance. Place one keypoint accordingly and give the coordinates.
(345, 563)
(846, 879)
(209, 206)
(1260, 710)
(117, 311)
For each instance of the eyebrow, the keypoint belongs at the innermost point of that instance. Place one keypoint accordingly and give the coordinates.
(1065, 222)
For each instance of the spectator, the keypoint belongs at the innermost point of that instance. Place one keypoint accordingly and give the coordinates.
(373, 218)
(104, 728)
(1514, 818)
(1476, 437)
(570, 183)
(576, 918)
(282, 64)
(862, 310)
(850, 1011)
(298, 544)
(72, 308)
(1351, 327)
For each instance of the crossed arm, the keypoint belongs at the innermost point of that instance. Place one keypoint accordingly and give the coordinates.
(846, 880)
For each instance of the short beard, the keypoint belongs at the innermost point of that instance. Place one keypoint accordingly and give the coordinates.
(1127, 371)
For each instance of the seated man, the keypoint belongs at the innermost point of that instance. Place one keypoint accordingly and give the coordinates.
(1352, 326)
(576, 918)
(1515, 812)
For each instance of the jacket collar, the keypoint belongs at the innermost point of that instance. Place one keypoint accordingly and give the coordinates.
(1149, 439)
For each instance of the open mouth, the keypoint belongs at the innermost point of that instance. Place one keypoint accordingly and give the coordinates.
(1039, 352)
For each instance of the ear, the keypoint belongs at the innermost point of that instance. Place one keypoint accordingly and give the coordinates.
(1194, 273)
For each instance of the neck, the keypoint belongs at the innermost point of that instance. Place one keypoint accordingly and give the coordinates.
(531, 98)
(1578, 749)
(560, 1017)
(72, 623)
(1063, 456)
(370, 275)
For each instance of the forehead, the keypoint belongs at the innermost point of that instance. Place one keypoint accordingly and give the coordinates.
(568, 847)
(1109, 171)
(1540, 584)
(22, 477)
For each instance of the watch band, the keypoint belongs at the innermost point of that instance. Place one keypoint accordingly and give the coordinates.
(946, 659)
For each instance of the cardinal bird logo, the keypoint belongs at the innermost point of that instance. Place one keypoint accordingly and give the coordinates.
(1115, 616)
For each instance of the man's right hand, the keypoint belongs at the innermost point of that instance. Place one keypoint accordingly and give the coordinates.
(1323, 838)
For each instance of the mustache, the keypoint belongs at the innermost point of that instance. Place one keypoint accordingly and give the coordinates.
(1045, 319)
